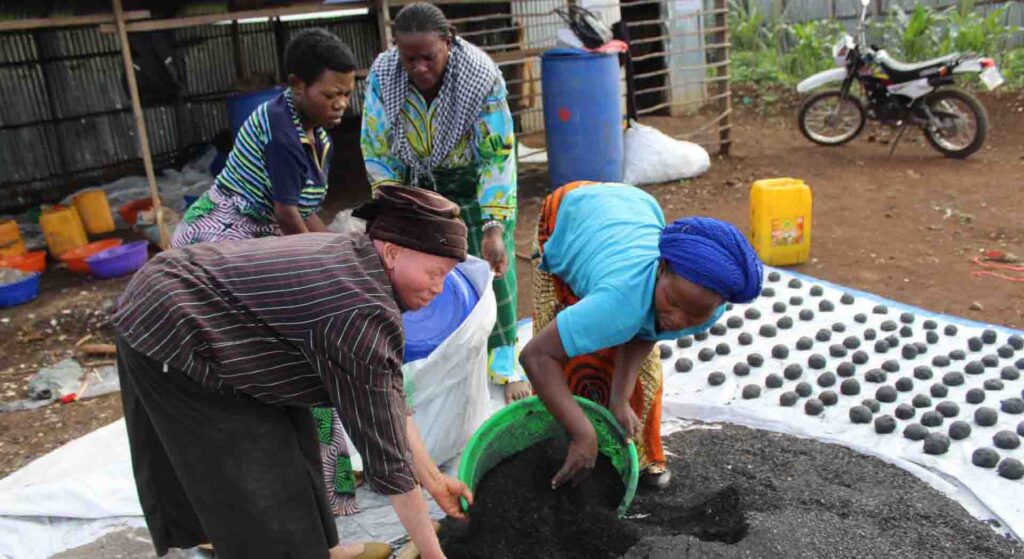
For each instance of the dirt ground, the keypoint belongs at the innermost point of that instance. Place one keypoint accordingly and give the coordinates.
(904, 227)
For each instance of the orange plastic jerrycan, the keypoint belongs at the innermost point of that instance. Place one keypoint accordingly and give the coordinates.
(780, 221)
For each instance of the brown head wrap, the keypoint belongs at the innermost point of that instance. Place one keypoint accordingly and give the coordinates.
(415, 218)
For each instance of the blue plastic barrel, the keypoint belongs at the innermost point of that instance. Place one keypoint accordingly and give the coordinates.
(241, 105)
(428, 327)
(582, 116)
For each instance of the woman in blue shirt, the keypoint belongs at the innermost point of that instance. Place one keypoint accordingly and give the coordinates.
(611, 279)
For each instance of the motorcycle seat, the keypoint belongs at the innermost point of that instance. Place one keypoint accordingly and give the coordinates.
(903, 71)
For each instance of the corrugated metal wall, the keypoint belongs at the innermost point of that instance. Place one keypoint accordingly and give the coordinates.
(66, 121)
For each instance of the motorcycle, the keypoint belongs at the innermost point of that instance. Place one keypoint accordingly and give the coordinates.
(897, 94)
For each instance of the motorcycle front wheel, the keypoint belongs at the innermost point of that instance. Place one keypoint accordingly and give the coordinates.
(960, 123)
(830, 120)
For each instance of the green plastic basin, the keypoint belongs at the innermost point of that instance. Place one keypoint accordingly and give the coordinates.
(527, 422)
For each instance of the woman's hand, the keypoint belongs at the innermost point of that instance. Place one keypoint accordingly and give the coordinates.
(493, 250)
(446, 491)
(627, 418)
(580, 459)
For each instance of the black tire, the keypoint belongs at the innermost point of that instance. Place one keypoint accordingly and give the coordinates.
(810, 102)
(980, 116)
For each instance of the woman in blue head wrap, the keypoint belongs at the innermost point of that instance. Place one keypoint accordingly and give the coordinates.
(610, 280)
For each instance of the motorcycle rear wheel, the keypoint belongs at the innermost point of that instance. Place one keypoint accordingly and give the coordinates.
(829, 110)
(961, 114)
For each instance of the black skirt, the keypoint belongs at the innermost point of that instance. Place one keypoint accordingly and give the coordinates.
(222, 467)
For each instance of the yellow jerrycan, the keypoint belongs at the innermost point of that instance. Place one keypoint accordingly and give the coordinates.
(780, 221)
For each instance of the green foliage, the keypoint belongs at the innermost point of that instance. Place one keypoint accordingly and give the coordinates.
(768, 51)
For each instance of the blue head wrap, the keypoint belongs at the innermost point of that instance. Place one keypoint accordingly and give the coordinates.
(713, 254)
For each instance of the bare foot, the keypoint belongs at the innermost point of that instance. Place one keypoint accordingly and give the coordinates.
(344, 505)
(517, 391)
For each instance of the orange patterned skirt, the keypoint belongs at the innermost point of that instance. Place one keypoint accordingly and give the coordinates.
(590, 375)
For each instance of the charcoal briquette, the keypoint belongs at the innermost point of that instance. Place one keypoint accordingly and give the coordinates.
(893, 341)
(915, 432)
(957, 355)
(826, 306)
(795, 283)
(804, 389)
(936, 443)
(779, 306)
(909, 352)
(1005, 352)
(872, 404)
(1019, 363)
(804, 343)
(948, 409)
(959, 430)
(684, 365)
(881, 346)
(876, 376)
(1020, 428)
(823, 335)
(814, 406)
(828, 397)
(734, 322)
(985, 458)
(1012, 406)
(706, 354)
(666, 350)
(860, 318)
(716, 378)
(860, 357)
(817, 291)
(755, 360)
(767, 331)
(806, 314)
(745, 338)
(793, 371)
(938, 390)
(931, 419)
(752, 314)
(1016, 342)
(741, 369)
(849, 387)
(941, 361)
(826, 379)
(986, 416)
(774, 276)
(950, 330)
(905, 411)
(847, 299)
(922, 401)
(975, 344)
(796, 301)
(907, 318)
(773, 381)
(1011, 468)
(785, 323)
(990, 361)
(905, 384)
(860, 414)
(923, 372)
(1009, 372)
(701, 336)
(788, 399)
(846, 369)
(880, 309)
(768, 292)
(885, 394)
(1006, 440)
(993, 384)
(722, 349)
(851, 342)
(780, 351)
(684, 342)
(888, 326)
(975, 396)
(930, 324)
(870, 334)
(931, 337)
(718, 330)
(891, 366)
(751, 391)
(837, 350)
(989, 336)
(906, 332)
(885, 424)
(953, 378)
(974, 368)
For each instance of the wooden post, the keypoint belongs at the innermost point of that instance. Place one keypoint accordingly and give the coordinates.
(140, 121)
(383, 9)
(725, 100)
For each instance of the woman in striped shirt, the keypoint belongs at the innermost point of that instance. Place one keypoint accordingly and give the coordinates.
(275, 179)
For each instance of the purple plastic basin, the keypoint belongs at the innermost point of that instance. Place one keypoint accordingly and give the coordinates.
(21, 291)
(119, 261)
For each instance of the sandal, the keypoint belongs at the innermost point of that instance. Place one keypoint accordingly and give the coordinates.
(656, 477)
